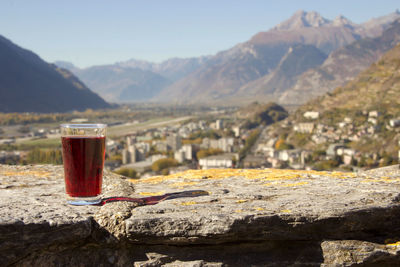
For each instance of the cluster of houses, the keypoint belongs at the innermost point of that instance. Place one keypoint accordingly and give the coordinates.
(267, 155)
(141, 149)
(337, 136)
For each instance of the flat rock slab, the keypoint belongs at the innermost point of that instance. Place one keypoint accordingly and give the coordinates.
(265, 209)
(34, 213)
(267, 205)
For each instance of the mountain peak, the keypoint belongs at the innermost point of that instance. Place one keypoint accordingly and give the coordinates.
(302, 19)
(342, 21)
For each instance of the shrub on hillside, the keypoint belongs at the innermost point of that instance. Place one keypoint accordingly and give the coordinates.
(208, 152)
(249, 143)
(212, 134)
(326, 165)
(162, 164)
(44, 156)
(282, 145)
(266, 115)
(128, 172)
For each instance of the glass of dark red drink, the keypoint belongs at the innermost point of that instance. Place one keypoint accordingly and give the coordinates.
(84, 147)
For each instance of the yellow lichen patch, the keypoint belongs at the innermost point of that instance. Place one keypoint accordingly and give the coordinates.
(238, 211)
(152, 193)
(272, 174)
(397, 244)
(188, 203)
(205, 174)
(370, 180)
(26, 173)
(259, 209)
(342, 175)
(150, 180)
(241, 201)
(190, 174)
(183, 184)
(294, 184)
(252, 174)
(286, 211)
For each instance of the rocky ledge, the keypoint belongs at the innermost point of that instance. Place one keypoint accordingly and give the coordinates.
(246, 218)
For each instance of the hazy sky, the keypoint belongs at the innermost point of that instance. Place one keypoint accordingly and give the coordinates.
(93, 32)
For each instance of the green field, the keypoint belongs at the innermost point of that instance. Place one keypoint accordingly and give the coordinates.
(120, 130)
(39, 143)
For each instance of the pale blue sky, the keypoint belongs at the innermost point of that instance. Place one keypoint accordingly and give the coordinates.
(93, 32)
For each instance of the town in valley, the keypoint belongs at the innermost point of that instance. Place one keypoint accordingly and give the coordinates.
(146, 144)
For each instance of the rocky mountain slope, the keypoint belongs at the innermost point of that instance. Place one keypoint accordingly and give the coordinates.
(29, 84)
(223, 75)
(298, 59)
(341, 66)
(376, 88)
(253, 70)
(134, 80)
(375, 26)
(173, 69)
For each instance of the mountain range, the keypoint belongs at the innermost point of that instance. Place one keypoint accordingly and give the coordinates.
(123, 84)
(298, 59)
(341, 66)
(29, 84)
(230, 75)
(134, 80)
(173, 69)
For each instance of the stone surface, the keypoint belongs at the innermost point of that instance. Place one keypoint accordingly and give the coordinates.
(354, 252)
(249, 217)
